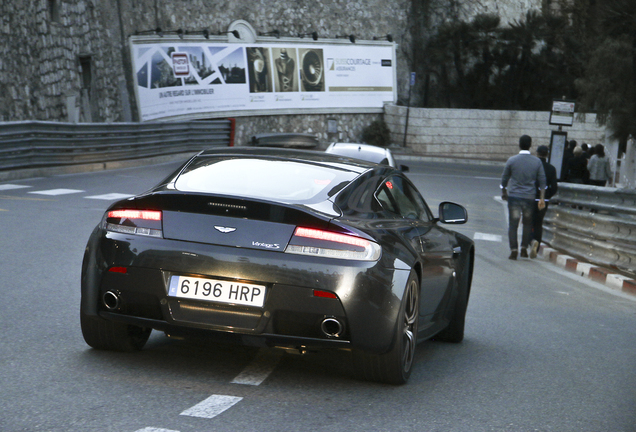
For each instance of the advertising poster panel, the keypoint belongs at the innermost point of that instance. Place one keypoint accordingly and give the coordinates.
(184, 79)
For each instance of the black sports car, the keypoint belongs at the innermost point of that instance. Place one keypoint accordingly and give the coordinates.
(282, 248)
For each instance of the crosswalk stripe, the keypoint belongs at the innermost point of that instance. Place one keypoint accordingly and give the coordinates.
(154, 429)
(259, 369)
(110, 196)
(212, 406)
(54, 192)
(12, 186)
(487, 237)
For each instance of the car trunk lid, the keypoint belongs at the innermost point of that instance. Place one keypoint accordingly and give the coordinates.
(234, 222)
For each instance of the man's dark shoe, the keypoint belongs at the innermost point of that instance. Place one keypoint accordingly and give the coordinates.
(513, 255)
(524, 253)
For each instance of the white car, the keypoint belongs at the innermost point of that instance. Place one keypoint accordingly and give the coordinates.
(367, 152)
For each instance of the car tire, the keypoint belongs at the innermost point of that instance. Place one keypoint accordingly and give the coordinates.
(454, 333)
(394, 367)
(113, 336)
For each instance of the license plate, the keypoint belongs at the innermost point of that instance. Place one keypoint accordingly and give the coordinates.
(217, 291)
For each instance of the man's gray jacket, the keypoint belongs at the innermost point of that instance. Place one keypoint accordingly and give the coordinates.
(522, 174)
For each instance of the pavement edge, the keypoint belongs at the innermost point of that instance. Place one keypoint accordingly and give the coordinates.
(607, 277)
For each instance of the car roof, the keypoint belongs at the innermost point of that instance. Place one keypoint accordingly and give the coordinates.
(310, 156)
(361, 151)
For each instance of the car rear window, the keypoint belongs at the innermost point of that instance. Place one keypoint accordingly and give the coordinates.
(286, 181)
(353, 152)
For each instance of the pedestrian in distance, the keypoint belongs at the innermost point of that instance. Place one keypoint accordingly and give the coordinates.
(586, 150)
(576, 168)
(599, 167)
(519, 182)
(551, 188)
(568, 152)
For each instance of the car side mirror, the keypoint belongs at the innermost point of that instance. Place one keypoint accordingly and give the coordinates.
(451, 213)
(404, 168)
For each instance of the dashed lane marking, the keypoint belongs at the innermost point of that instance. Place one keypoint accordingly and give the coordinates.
(254, 374)
(259, 369)
(110, 196)
(212, 406)
(12, 186)
(154, 429)
(487, 237)
(9, 197)
(55, 192)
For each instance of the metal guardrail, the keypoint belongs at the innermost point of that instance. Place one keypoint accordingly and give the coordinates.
(597, 224)
(36, 144)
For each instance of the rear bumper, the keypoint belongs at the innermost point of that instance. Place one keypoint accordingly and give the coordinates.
(368, 293)
(258, 340)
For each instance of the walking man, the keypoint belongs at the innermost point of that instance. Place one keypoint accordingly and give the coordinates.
(521, 175)
(551, 188)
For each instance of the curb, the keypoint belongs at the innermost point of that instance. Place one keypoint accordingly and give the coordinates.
(445, 159)
(610, 279)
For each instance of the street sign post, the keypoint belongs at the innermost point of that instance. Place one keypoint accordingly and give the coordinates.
(562, 113)
(408, 107)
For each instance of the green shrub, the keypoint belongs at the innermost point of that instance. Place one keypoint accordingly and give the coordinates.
(377, 133)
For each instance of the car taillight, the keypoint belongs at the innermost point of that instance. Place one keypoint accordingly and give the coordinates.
(137, 222)
(329, 244)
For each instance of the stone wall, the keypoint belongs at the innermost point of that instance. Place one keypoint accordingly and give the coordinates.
(509, 11)
(349, 126)
(69, 60)
(41, 43)
(481, 134)
(48, 46)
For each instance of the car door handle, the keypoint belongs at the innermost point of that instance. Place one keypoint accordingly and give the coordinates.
(457, 251)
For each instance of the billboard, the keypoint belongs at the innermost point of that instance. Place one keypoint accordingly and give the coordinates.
(198, 79)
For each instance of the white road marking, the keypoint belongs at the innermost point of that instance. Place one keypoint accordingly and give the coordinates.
(110, 196)
(12, 186)
(57, 191)
(254, 374)
(504, 205)
(153, 429)
(487, 237)
(212, 406)
(259, 369)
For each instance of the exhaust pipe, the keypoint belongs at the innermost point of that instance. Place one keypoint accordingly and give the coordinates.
(111, 300)
(331, 327)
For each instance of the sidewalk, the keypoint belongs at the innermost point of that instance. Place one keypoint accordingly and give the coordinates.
(607, 277)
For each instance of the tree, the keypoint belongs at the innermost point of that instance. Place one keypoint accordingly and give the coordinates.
(425, 19)
(609, 82)
(481, 64)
